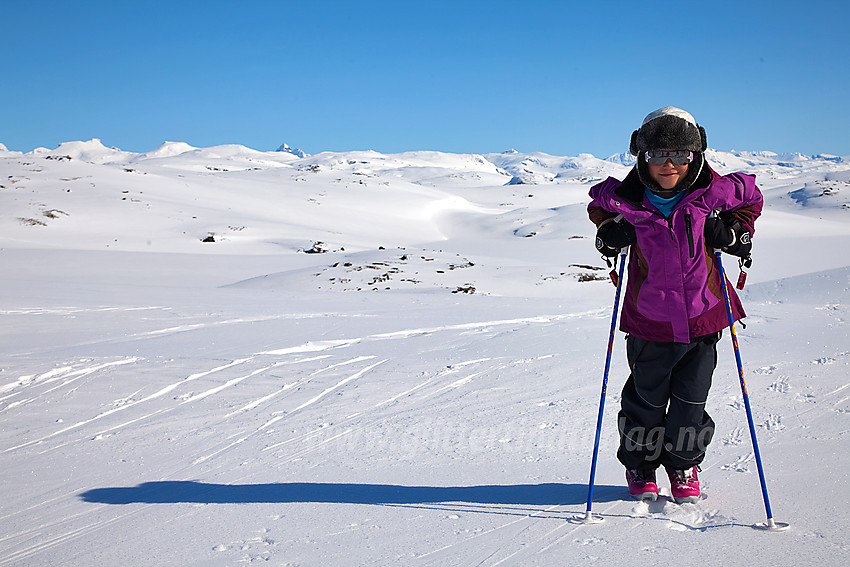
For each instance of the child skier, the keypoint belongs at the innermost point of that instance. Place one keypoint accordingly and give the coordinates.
(673, 211)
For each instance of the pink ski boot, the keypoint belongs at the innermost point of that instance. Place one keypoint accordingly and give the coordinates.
(684, 485)
(642, 484)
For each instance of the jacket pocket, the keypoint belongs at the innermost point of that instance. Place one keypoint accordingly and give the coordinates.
(689, 229)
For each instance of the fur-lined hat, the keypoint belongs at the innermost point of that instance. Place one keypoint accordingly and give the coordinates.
(669, 128)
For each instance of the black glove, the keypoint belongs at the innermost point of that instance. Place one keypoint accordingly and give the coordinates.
(613, 235)
(726, 233)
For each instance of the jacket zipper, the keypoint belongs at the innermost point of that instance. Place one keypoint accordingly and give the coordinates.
(688, 227)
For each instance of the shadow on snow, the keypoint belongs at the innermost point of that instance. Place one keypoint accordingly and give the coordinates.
(174, 492)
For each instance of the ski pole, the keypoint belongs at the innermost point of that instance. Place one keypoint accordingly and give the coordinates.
(589, 518)
(770, 524)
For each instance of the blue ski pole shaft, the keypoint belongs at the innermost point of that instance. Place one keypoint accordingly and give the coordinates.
(724, 283)
(605, 383)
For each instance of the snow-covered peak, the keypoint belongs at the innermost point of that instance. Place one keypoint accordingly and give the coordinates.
(624, 158)
(830, 157)
(92, 151)
(780, 164)
(223, 158)
(294, 151)
(169, 149)
(5, 152)
(538, 167)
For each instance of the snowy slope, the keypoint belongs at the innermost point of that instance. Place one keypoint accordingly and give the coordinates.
(384, 360)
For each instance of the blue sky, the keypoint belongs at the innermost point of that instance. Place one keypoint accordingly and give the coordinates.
(392, 76)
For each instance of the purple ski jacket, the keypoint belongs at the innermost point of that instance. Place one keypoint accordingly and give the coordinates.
(674, 290)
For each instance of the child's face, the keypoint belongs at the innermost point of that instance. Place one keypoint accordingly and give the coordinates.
(667, 175)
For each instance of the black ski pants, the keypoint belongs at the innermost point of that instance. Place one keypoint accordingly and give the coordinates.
(662, 420)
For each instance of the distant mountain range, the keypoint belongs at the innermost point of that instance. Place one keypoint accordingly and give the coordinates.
(515, 168)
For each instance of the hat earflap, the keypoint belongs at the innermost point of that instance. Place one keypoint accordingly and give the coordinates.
(633, 146)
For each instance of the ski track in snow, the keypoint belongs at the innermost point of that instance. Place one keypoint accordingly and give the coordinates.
(514, 530)
(527, 539)
(315, 346)
(301, 407)
(42, 385)
(516, 541)
(76, 310)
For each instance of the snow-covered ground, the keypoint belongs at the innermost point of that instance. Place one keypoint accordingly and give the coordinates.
(220, 356)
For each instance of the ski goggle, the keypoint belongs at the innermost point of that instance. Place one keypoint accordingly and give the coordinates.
(660, 157)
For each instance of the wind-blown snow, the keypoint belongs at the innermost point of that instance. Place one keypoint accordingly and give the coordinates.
(217, 356)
